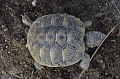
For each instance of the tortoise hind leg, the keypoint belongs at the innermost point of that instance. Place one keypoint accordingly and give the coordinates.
(26, 20)
(94, 38)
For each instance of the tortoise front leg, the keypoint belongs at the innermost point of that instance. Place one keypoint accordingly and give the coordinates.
(38, 66)
(85, 61)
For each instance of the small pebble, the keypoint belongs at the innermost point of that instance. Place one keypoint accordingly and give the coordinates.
(34, 3)
(8, 51)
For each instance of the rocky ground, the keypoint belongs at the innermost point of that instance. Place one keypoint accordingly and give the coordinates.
(15, 59)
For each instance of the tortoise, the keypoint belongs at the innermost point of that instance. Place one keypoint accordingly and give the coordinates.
(59, 40)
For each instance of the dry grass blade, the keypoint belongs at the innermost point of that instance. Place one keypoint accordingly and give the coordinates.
(98, 48)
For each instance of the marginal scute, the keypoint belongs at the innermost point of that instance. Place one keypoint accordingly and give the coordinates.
(35, 53)
(59, 20)
(42, 23)
(53, 21)
(65, 21)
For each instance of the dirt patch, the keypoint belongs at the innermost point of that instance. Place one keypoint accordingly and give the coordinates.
(15, 59)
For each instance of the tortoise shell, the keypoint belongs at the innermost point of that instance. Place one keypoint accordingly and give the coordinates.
(56, 40)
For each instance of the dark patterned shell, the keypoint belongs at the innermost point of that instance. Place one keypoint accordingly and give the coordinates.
(56, 40)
